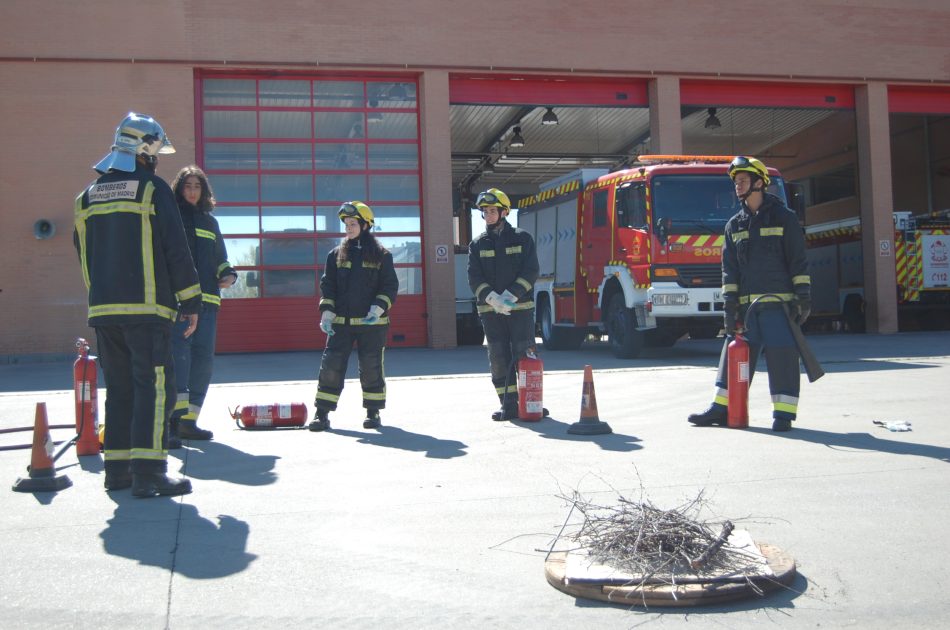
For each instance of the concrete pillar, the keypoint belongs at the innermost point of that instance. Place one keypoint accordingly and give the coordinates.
(876, 197)
(666, 123)
(437, 230)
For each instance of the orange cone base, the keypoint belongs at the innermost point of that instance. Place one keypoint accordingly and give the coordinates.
(44, 480)
(589, 426)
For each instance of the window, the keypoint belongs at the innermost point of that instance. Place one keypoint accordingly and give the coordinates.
(632, 206)
(282, 154)
(600, 208)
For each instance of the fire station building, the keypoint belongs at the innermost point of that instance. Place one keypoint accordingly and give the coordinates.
(414, 107)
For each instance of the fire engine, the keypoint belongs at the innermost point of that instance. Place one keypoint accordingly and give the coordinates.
(635, 254)
(921, 251)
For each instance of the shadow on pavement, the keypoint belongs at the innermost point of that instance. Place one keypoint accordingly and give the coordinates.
(863, 441)
(394, 437)
(164, 533)
(214, 460)
(556, 430)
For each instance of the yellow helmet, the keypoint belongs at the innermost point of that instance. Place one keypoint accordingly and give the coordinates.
(493, 197)
(749, 165)
(357, 210)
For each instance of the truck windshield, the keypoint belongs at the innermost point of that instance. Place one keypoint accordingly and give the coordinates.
(699, 203)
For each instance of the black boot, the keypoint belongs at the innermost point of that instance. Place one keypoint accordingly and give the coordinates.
(188, 430)
(507, 412)
(146, 485)
(118, 480)
(715, 415)
(781, 424)
(321, 421)
(372, 419)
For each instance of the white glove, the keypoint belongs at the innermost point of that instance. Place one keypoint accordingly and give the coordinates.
(375, 312)
(326, 322)
(508, 299)
(494, 300)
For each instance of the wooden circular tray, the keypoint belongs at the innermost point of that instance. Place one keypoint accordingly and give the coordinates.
(692, 594)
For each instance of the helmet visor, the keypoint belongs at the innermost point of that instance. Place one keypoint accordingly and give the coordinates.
(488, 199)
(349, 210)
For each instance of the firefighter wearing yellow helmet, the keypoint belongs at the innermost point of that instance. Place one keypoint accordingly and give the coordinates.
(357, 289)
(502, 269)
(763, 262)
(139, 275)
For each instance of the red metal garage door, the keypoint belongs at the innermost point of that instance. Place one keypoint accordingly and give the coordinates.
(282, 152)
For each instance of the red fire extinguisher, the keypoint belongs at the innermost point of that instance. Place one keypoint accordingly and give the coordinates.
(270, 416)
(738, 375)
(530, 380)
(87, 400)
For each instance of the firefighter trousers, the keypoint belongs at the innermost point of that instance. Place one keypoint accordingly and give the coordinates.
(509, 337)
(768, 332)
(140, 383)
(194, 359)
(370, 350)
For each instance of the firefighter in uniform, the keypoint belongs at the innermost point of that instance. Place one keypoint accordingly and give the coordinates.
(763, 262)
(194, 355)
(357, 290)
(138, 273)
(502, 269)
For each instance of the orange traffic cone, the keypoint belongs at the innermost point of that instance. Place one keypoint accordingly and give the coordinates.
(590, 423)
(42, 470)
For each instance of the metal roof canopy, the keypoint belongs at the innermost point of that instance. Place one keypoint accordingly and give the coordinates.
(606, 124)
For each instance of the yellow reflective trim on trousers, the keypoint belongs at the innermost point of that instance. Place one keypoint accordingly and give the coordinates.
(730, 288)
(786, 407)
(181, 405)
(722, 397)
(148, 453)
(158, 421)
(772, 231)
(102, 310)
(205, 234)
(117, 455)
(524, 283)
(515, 249)
(801, 280)
(511, 389)
(486, 253)
(328, 397)
(374, 395)
(211, 299)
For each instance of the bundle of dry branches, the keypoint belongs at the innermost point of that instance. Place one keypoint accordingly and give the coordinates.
(657, 545)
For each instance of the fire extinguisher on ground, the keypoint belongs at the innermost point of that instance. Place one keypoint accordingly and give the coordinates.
(530, 387)
(738, 381)
(87, 400)
(270, 416)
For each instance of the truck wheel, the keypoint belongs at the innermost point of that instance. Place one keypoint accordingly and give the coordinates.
(557, 337)
(621, 322)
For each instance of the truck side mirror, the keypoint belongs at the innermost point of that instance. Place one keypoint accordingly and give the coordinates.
(796, 199)
(663, 227)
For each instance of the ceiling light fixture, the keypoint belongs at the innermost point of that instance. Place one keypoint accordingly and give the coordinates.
(549, 118)
(712, 122)
(517, 140)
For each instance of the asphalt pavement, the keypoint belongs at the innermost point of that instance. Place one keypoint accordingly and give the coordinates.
(443, 518)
